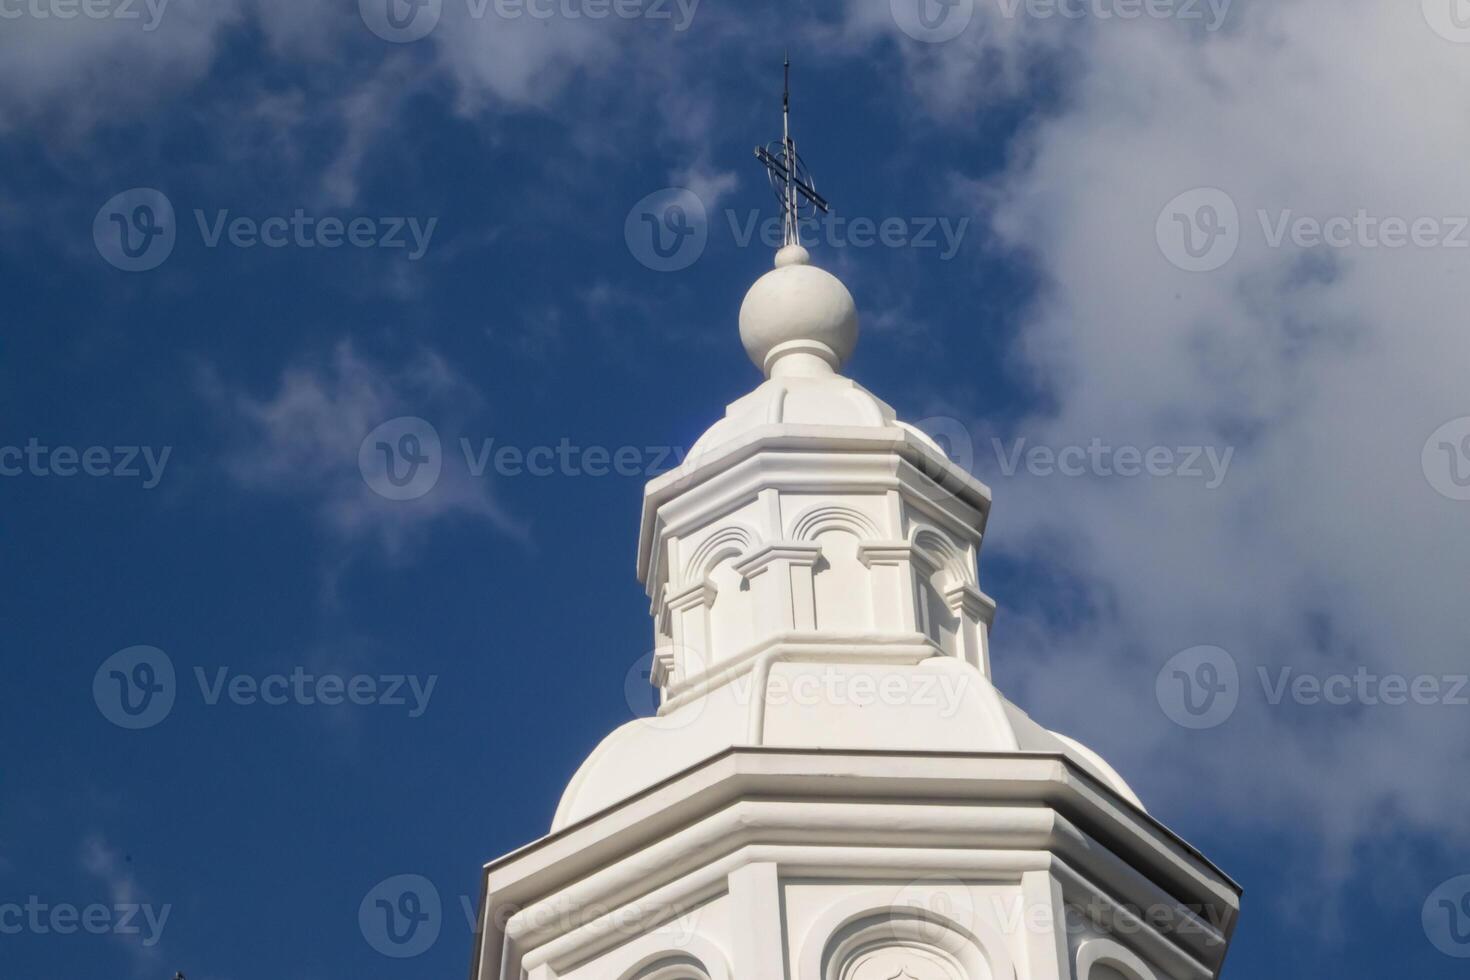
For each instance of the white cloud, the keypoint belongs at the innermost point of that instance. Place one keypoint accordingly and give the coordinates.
(1326, 369)
(710, 185)
(100, 860)
(522, 62)
(304, 440)
(76, 73)
(67, 74)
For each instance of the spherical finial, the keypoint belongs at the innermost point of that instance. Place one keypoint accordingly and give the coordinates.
(797, 308)
(792, 255)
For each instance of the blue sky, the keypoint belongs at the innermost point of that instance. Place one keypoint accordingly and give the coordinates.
(1103, 235)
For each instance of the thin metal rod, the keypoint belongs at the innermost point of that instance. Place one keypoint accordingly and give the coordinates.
(790, 154)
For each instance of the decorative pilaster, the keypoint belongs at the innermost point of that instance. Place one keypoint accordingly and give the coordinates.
(976, 612)
(755, 915)
(780, 576)
(890, 564)
(689, 614)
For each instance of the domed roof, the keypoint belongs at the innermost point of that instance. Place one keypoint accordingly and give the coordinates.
(819, 398)
(647, 751)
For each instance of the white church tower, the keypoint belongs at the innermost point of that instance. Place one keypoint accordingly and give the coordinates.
(833, 789)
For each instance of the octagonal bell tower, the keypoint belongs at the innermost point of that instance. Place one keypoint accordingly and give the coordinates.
(832, 787)
(809, 525)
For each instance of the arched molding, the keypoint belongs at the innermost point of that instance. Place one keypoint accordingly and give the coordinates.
(942, 553)
(727, 542)
(861, 922)
(1106, 952)
(693, 959)
(830, 517)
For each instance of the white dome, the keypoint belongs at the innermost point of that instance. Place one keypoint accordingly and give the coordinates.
(797, 307)
(647, 751)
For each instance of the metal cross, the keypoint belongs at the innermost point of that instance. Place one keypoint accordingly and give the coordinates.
(794, 187)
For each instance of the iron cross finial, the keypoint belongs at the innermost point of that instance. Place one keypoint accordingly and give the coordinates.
(793, 185)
